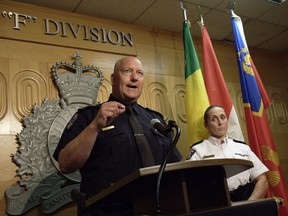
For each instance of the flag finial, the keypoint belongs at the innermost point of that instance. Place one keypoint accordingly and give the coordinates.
(231, 6)
(184, 9)
(201, 21)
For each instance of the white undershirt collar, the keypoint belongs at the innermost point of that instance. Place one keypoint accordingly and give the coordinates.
(216, 141)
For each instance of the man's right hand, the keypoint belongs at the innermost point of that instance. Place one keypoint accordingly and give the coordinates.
(107, 113)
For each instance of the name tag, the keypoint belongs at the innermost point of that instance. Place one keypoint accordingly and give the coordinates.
(208, 156)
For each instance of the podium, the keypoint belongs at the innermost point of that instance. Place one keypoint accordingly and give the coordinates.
(186, 187)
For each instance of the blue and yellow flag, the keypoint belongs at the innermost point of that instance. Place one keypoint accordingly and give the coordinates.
(259, 133)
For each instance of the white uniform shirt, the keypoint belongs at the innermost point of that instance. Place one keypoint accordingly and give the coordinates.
(212, 149)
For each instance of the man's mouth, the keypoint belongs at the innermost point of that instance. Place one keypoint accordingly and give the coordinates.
(132, 86)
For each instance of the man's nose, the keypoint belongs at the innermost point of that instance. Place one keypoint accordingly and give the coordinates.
(134, 75)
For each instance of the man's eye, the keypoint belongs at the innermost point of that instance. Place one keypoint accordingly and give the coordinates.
(140, 73)
(127, 72)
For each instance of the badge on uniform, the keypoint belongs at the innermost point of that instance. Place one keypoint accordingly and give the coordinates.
(108, 128)
(242, 155)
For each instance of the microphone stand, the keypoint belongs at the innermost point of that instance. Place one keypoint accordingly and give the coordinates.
(171, 124)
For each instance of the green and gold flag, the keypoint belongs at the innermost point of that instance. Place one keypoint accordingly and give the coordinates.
(196, 99)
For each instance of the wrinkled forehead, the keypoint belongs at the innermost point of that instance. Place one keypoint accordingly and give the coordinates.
(216, 111)
(129, 63)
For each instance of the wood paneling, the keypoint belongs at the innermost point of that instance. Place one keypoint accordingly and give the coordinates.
(25, 80)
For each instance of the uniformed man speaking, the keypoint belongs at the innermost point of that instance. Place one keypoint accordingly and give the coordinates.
(102, 142)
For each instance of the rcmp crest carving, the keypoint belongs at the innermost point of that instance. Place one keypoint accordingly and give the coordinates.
(40, 180)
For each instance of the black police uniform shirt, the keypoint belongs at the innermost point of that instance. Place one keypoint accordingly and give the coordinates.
(115, 154)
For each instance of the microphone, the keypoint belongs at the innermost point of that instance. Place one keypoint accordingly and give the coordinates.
(163, 129)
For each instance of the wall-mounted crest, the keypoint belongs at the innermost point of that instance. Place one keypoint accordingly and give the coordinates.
(41, 182)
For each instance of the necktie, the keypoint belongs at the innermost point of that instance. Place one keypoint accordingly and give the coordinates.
(142, 144)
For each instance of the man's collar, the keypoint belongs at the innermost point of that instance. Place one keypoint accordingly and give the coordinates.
(136, 108)
(134, 105)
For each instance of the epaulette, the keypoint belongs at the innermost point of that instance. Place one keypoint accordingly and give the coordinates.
(150, 110)
(239, 141)
(90, 107)
(196, 143)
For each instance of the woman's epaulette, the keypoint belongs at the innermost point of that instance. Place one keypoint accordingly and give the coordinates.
(196, 143)
(239, 141)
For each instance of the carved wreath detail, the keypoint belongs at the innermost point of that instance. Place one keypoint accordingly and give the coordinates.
(32, 155)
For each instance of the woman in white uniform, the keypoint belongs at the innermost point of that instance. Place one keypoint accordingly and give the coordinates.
(251, 184)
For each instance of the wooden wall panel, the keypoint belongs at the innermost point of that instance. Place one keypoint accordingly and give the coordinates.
(3, 87)
(7, 168)
(28, 85)
(25, 81)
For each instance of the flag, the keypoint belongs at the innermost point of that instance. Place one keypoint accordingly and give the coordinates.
(196, 98)
(259, 133)
(217, 91)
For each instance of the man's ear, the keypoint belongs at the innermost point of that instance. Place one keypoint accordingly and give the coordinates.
(112, 78)
(205, 124)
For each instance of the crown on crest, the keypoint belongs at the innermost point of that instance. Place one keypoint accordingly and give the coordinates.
(77, 84)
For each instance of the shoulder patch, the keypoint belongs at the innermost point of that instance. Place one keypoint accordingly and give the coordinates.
(196, 143)
(191, 153)
(239, 141)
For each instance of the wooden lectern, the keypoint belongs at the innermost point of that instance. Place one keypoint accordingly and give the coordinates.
(186, 187)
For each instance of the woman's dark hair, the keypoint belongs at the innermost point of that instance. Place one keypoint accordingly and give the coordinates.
(206, 116)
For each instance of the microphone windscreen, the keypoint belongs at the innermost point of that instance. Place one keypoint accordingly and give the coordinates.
(154, 121)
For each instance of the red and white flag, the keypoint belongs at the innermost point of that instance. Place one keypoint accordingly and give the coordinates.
(216, 88)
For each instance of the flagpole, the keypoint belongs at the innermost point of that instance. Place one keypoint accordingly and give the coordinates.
(184, 10)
